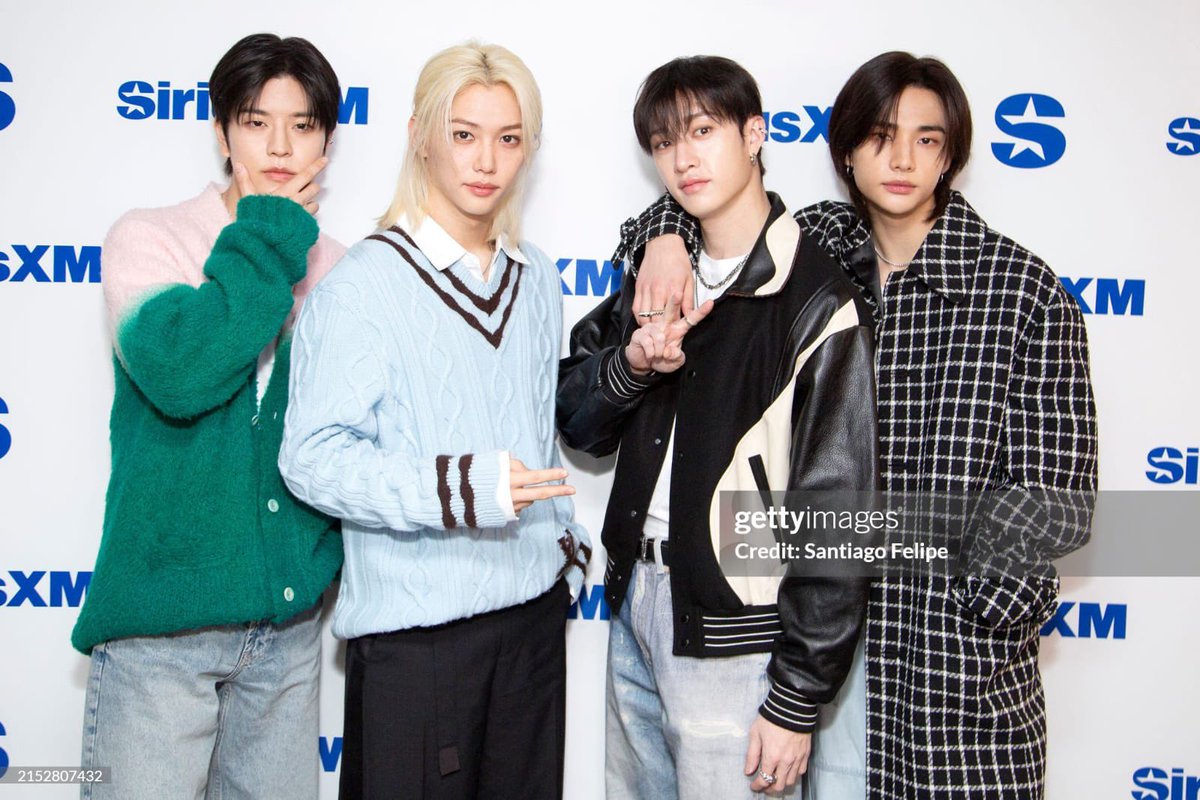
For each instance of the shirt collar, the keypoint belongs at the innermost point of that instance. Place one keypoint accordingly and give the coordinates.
(442, 250)
(946, 259)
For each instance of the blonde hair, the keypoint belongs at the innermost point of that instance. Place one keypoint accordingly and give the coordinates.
(441, 80)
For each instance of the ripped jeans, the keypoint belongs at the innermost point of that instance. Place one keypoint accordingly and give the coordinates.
(676, 728)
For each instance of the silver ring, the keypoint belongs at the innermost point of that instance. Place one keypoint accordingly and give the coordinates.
(690, 324)
(767, 779)
(658, 312)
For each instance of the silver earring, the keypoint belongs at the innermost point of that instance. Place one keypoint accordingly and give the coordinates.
(753, 159)
(849, 170)
(943, 175)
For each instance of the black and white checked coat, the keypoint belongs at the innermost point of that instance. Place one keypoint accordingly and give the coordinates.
(983, 381)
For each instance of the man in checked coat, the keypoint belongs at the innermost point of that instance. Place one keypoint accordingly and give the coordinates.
(983, 381)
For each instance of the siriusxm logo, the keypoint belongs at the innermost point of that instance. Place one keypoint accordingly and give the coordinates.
(3, 754)
(329, 748)
(1094, 621)
(589, 276)
(1039, 144)
(590, 605)
(8, 109)
(1108, 295)
(1172, 465)
(67, 264)
(805, 126)
(5, 436)
(65, 589)
(143, 100)
(1185, 131)
(1162, 786)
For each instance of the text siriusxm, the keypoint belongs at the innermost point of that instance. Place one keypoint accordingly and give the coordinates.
(1156, 783)
(1173, 465)
(589, 276)
(66, 264)
(61, 589)
(1091, 621)
(590, 605)
(160, 100)
(329, 748)
(1108, 295)
(809, 125)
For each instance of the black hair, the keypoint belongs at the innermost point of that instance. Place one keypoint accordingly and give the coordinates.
(717, 86)
(240, 75)
(868, 102)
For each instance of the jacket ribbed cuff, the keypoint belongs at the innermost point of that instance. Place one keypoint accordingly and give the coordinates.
(618, 381)
(789, 709)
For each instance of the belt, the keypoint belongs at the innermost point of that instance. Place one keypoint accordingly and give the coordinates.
(655, 550)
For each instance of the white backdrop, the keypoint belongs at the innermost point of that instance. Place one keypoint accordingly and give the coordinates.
(1118, 206)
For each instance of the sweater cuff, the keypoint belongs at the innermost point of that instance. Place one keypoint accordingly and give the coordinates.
(618, 381)
(468, 486)
(504, 487)
(284, 223)
(789, 709)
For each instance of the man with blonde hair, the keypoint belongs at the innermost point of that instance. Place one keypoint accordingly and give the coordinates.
(424, 383)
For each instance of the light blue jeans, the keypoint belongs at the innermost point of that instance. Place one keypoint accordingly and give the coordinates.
(222, 712)
(677, 728)
(837, 767)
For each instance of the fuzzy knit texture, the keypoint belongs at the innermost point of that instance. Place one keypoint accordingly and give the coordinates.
(199, 529)
(407, 382)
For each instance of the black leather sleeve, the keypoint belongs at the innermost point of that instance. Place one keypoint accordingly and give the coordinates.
(596, 388)
(834, 447)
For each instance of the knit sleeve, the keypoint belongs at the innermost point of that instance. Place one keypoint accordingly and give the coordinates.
(576, 543)
(191, 348)
(331, 457)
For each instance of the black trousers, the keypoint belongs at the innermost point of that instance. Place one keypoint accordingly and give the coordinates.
(475, 708)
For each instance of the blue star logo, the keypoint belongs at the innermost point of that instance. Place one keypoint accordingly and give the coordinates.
(1186, 133)
(1032, 141)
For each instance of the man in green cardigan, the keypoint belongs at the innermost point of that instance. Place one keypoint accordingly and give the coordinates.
(202, 615)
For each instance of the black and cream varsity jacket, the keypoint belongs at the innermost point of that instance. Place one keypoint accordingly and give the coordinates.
(777, 393)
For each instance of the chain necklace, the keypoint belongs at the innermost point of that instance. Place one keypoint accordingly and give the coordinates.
(889, 262)
(714, 286)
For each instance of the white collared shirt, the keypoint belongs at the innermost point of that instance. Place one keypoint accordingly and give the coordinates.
(444, 252)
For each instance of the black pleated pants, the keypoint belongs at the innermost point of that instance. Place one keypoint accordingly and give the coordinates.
(475, 708)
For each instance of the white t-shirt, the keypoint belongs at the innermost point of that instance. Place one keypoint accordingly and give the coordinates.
(659, 513)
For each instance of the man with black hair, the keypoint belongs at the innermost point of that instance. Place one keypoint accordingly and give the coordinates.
(202, 615)
(713, 679)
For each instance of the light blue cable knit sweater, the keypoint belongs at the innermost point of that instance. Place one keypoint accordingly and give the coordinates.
(406, 385)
